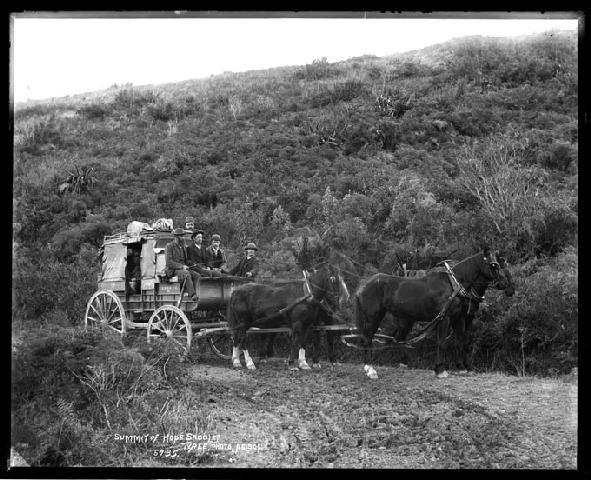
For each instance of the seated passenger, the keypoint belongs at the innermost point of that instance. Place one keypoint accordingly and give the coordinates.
(196, 255)
(216, 257)
(133, 274)
(176, 263)
(248, 266)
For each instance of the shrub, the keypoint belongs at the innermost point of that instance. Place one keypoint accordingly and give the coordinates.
(74, 386)
(42, 287)
(67, 243)
(559, 157)
(316, 70)
(94, 111)
(537, 330)
(556, 230)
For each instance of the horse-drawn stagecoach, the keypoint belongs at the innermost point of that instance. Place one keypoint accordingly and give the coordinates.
(143, 297)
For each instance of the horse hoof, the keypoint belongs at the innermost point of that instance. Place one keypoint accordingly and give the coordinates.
(304, 366)
(443, 374)
(294, 369)
(237, 365)
(462, 372)
(402, 365)
(316, 366)
(251, 366)
(372, 375)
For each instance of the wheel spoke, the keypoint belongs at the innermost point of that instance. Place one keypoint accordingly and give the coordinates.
(111, 312)
(92, 318)
(98, 312)
(165, 320)
(178, 334)
(176, 320)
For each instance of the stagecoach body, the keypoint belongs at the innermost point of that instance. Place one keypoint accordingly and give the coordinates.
(155, 302)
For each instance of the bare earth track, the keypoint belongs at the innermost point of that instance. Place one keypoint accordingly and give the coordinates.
(336, 417)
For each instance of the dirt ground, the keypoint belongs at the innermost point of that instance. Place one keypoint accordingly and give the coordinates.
(336, 417)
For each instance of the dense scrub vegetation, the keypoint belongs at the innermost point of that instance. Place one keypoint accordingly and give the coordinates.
(432, 152)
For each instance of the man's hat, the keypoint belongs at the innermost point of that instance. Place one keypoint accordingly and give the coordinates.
(250, 246)
(215, 237)
(178, 231)
(197, 232)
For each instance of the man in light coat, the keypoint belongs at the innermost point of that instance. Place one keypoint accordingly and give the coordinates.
(177, 263)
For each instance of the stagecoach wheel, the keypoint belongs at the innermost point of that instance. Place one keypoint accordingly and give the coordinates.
(221, 344)
(170, 325)
(105, 309)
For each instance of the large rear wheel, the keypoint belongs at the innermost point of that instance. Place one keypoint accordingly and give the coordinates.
(105, 309)
(169, 325)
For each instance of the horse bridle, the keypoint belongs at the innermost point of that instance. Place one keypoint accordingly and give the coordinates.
(323, 303)
(463, 291)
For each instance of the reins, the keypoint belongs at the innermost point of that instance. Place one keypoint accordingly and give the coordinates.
(457, 290)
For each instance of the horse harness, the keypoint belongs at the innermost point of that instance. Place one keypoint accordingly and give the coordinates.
(457, 290)
(308, 297)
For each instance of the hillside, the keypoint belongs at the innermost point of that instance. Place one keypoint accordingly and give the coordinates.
(430, 153)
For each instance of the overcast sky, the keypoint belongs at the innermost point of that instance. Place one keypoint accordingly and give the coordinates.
(53, 57)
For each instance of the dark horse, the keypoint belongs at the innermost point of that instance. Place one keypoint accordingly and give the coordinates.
(411, 300)
(348, 277)
(457, 326)
(257, 305)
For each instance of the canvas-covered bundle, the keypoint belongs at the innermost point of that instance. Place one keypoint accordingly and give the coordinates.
(162, 224)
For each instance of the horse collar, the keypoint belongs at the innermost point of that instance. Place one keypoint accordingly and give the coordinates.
(455, 284)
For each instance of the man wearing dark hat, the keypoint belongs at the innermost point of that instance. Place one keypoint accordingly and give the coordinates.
(248, 266)
(215, 256)
(196, 254)
(177, 263)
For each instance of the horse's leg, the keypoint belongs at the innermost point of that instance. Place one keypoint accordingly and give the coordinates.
(370, 330)
(330, 338)
(293, 344)
(244, 347)
(466, 343)
(305, 338)
(316, 341)
(459, 331)
(235, 351)
(400, 334)
(367, 314)
(238, 340)
(248, 359)
(267, 346)
(442, 330)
